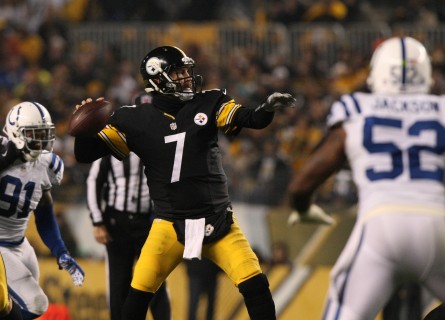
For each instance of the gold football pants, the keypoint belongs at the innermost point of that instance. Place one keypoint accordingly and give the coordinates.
(162, 252)
(4, 297)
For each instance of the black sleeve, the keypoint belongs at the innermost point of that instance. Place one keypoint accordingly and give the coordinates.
(86, 150)
(253, 118)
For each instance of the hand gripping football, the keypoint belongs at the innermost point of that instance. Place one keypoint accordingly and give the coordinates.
(89, 118)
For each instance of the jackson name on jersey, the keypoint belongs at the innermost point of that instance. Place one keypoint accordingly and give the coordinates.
(394, 140)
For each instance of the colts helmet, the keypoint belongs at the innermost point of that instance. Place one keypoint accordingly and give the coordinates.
(159, 64)
(30, 128)
(400, 65)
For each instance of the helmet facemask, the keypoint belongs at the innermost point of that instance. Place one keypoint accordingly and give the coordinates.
(169, 71)
(38, 140)
(182, 87)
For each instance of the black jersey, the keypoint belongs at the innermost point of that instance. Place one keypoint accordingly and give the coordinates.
(180, 150)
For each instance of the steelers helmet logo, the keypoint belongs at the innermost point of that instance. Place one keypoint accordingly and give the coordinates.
(153, 66)
(187, 61)
(201, 119)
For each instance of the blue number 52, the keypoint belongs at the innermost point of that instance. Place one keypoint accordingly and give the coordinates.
(414, 151)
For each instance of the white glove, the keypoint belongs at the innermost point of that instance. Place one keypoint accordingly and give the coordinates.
(314, 214)
(278, 100)
(68, 263)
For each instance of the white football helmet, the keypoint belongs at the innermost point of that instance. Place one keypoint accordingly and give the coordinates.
(400, 65)
(30, 128)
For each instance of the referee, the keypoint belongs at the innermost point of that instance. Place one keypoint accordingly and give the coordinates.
(123, 226)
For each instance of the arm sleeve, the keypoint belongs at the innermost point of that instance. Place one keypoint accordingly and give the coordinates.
(49, 230)
(96, 181)
(232, 117)
(253, 118)
(89, 149)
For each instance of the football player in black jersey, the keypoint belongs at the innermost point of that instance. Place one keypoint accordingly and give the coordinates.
(176, 136)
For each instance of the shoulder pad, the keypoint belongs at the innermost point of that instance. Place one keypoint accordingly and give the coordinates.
(343, 109)
(54, 165)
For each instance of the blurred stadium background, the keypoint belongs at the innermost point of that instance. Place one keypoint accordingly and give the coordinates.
(58, 52)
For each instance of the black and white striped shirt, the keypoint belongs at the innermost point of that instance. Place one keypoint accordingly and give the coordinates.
(121, 185)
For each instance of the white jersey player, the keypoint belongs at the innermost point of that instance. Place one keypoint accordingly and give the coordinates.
(28, 171)
(394, 141)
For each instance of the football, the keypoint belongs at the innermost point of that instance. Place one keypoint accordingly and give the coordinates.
(90, 118)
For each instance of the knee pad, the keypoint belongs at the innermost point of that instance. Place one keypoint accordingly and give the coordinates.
(254, 285)
(32, 304)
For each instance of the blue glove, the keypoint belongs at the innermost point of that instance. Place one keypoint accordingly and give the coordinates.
(67, 262)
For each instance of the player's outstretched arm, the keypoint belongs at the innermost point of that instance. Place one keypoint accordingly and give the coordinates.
(263, 115)
(50, 234)
(327, 158)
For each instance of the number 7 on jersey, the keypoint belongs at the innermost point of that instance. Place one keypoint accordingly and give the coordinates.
(179, 138)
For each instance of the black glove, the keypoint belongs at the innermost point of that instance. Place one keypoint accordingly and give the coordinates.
(9, 154)
(278, 100)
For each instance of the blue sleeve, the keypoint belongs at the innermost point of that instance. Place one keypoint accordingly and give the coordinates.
(49, 230)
